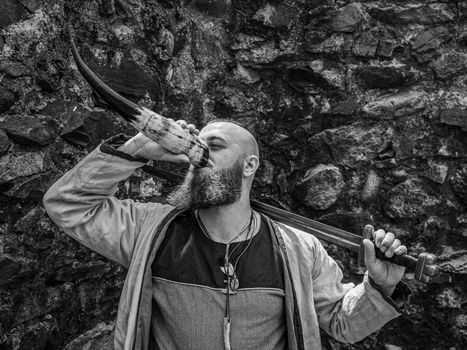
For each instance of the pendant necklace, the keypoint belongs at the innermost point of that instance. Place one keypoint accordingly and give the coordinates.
(231, 281)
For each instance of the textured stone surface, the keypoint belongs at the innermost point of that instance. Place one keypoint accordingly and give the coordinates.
(372, 184)
(7, 98)
(320, 187)
(397, 105)
(346, 19)
(12, 11)
(4, 143)
(437, 171)
(426, 44)
(350, 146)
(450, 65)
(383, 77)
(98, 338)
(455, 116)
(30, 129)
(80, 125)
(13, 165)
(458, 182)
(275, 17)
(14, 69)
(410, 200)
(15, 268)
(365, 45)
(415, 14)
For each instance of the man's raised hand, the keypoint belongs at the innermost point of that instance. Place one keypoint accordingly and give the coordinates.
(140, 146)
(385, 274)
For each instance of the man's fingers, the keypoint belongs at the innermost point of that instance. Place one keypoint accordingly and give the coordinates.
(378, 237)
(390, 251)
(182, 123)
(192, 128)
(387, 241)
(401, 250)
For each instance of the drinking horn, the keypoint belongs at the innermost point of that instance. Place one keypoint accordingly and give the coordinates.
(164, 131)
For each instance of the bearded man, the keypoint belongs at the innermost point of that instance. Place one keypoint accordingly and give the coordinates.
(206, 271)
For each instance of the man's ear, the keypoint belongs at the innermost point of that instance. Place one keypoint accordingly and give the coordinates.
(250, 165)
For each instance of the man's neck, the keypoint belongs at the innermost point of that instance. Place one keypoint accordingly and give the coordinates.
(224, 223)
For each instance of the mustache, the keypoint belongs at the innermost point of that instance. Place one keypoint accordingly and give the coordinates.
(203, 188)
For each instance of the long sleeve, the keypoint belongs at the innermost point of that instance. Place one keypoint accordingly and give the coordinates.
(347, 312)
(82, 204)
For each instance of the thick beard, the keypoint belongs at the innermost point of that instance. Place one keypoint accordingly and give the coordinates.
(217, 187)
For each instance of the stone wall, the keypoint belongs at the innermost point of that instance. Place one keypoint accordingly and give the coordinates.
(360, 109)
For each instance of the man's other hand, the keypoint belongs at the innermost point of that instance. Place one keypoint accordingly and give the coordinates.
(140, 146)
(385, 274)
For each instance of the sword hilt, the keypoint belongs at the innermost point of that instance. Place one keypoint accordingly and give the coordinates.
(424, 265)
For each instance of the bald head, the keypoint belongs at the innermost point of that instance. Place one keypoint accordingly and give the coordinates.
(235, 134)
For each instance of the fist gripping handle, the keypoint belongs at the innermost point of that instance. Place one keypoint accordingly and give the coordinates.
(424, 265)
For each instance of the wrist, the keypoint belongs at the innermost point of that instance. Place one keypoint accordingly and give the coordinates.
(386, 290)
(132, 147)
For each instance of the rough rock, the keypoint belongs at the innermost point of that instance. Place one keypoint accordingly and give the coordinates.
(455, 116)
(77, 272)
(263, 53)
(409, 200)
(453, 261)
(12, 11)
(19, 164)
(350, 146)
(80, 125)
(33, 187)
(337, 43)
(247, 75)
(435, 228)
(98, 338)
(388, 41)
(40, 335)
(461, 225)
(401, 104)
(371, 187)
(165, 45)
(425, 45)
(327, 75)
(346, 19)
(421, 14)
(4, 143)
(458, 181)
(448, 298)
(14, 69)
(15, 268)
(7, 99)
(49, 73)
(320, 187)
(29, 221)
(437, 171)
(30, 129)
(450, 65)
(213, 7)
(365, 45)
(276, 17)
(372, 77)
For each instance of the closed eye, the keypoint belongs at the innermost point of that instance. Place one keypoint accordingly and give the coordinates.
(215, 146)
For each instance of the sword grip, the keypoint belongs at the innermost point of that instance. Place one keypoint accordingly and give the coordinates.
(424, 265)
(401, 260)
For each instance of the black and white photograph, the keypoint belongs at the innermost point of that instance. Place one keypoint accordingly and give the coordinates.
(233, 175)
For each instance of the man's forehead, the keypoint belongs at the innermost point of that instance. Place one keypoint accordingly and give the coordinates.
(224, 130)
